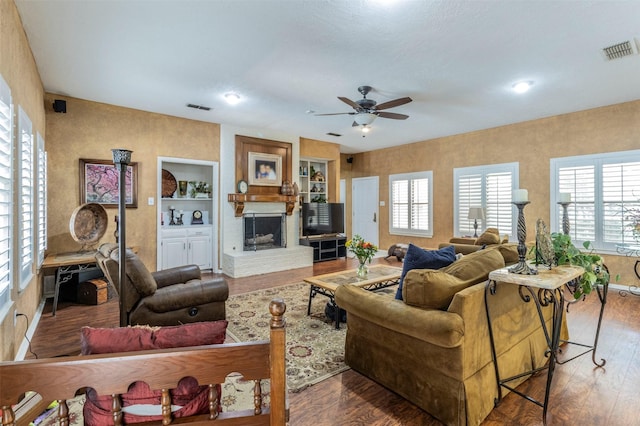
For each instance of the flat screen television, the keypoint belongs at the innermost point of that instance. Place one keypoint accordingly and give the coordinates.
(322, 218)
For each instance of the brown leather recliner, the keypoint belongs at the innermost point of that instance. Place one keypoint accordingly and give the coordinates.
(169, 297)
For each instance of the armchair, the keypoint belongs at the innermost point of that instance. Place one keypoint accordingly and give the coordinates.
(467, 245)
(168, 297)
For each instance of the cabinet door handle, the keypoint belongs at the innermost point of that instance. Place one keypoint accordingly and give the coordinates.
(184, 246)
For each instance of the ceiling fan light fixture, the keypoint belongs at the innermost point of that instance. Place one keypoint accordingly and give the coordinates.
(232, 98)
(522, 86)
(364, 118)
(365, 128)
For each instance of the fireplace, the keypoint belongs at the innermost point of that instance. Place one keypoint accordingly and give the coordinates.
(264, 231)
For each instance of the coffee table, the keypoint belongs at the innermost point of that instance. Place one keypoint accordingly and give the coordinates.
(379, 277)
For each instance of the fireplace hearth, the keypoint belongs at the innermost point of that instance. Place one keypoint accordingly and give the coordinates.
(264, 231)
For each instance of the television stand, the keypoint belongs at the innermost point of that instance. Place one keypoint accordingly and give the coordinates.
(325, 247)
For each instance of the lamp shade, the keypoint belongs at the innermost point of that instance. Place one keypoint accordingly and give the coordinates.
(476, 213)
(365, 118)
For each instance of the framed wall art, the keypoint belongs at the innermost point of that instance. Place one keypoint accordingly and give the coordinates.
(99, 183)
(265, 169)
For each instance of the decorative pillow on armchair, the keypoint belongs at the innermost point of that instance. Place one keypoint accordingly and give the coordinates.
(188, 397)
(488, 237)
(417, 258)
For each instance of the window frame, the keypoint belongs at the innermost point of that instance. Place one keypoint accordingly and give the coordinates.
(413, 176)
(484, 171)
(597, 162)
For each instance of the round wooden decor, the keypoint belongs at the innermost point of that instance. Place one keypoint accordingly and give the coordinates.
(88, 223)
(169, 184)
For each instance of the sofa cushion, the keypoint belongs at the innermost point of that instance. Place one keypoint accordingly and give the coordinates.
(431, 289)
(418, 258)
(488, 237)
(189, 396)
(475, 267)
(509, 253)
(140, 338)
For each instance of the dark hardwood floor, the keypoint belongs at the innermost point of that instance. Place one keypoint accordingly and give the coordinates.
(581, 394)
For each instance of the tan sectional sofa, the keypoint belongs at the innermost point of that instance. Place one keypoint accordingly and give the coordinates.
(433, 348)
(489, 237)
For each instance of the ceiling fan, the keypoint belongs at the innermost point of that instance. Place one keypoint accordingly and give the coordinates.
(367, 110)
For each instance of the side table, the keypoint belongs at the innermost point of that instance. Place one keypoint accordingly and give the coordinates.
(631, 251)
(67, 265)
(545, 289)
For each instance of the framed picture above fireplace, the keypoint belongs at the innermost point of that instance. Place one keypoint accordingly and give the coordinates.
(264, 169)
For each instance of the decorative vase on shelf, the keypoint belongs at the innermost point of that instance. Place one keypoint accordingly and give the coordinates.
(363, 269)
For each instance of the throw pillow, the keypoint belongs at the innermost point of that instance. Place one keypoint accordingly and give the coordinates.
(429, 289)
(475, 267)
(189, 397)
(418, 258)
(489, 236)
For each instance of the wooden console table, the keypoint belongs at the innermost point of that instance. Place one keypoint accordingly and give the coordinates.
(546, 288)
(67, 265)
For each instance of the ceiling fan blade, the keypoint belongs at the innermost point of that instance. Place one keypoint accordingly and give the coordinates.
(394, 103)
(338, 113)
(349, 102)
(392, 115)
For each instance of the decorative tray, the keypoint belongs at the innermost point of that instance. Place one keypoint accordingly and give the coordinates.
(169, 184)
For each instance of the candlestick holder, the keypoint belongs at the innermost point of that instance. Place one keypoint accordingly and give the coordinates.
(173, 220)
(179, 221)
(522, 267)
(566, 226)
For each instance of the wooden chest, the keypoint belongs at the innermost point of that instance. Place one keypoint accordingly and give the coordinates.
(93, 292)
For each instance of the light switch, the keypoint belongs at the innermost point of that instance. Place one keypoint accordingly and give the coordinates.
(151, 201)
(382, 203)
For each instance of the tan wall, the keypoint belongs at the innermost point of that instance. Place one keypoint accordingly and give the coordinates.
(311, 148)
(532, 144)
(19, 70)
(90, 130)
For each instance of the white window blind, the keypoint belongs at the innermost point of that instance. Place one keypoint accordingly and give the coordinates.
(605, 190)
(411, 206)
(489, 187)
(42, 199)
(25, 188)
(6, 173)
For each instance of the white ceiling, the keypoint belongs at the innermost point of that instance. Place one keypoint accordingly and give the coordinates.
(456, 59)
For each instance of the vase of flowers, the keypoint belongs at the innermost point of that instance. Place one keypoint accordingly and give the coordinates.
(364, 251)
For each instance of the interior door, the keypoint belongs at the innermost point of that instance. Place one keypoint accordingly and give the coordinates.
(364, 208)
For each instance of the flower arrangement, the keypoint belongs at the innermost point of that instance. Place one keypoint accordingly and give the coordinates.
(363, 250)
(199, 188)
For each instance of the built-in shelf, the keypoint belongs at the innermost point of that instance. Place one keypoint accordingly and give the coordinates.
(239, 199)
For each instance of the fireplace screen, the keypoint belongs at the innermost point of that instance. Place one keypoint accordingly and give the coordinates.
(263, 231)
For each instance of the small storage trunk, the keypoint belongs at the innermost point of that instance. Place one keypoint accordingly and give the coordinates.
(93, 292)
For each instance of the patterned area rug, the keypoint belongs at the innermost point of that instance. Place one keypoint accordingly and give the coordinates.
(315, 349)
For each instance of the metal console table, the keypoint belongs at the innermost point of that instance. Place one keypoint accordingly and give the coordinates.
(67, 265)
(630, 250)
(545, 289)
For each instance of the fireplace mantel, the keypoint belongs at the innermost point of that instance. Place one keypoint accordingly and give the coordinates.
(239, 199)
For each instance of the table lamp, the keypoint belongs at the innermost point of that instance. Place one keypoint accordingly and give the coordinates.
(475, 213)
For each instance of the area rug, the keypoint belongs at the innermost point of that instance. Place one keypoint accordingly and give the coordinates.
(314, 349)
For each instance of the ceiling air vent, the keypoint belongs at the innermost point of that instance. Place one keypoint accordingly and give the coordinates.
(202, 107)
(334, 134)
(620, 50)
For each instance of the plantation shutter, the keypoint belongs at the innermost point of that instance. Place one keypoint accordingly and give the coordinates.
(498, 206)
(469, 195)
(25, 189)
(400, 204)
(420, 204)
(6, 173)
(42, 199)
(620, 194)
(411, 206)
(580, 182)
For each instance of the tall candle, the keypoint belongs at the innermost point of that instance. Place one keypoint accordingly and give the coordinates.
(564, 197)
(520, 195)
(172, 208)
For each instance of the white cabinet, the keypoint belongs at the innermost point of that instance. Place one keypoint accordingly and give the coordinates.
(187, 221)
(313, 180)
(186, 246)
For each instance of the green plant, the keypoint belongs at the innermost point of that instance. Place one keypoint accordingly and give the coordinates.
(199, 188)
(595, 272)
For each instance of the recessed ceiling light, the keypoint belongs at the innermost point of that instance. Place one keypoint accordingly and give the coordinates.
(232, 98)
(522, 86)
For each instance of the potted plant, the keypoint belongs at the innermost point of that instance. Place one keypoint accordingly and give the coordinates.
(595, 272)
(200, 189)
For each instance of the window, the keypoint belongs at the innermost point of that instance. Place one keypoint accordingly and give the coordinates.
(489, 187)
(411, 207)
(6, 194)
(25, 194)
(603, 188)
(42, 199)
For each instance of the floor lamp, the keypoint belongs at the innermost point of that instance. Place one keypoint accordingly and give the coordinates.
(121, 159)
